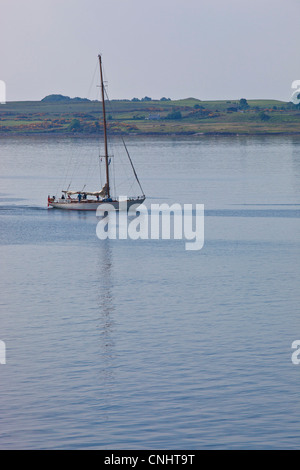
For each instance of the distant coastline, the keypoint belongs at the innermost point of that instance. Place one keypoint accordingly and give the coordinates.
(62, 115)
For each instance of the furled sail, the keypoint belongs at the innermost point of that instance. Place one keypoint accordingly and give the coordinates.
(71, 192)
(104, 190)
(102, 193)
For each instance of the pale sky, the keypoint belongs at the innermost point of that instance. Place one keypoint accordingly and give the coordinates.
(207, 49)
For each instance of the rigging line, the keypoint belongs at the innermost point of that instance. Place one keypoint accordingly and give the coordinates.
(111, 146)
(131, 186)
(70, 175)
(100, 144)
(110, 106)
(64, 179)
(75, 168)
(67, 168)
(136, 176)
(90, 167)
(101, 185)
(131, 163)
(93, 80)
(114, 176)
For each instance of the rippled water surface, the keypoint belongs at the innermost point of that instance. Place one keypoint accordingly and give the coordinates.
(123, 344)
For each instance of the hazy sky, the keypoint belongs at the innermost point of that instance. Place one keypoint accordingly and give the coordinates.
(208, 49)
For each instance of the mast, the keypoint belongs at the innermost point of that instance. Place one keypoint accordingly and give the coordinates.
(104, 125)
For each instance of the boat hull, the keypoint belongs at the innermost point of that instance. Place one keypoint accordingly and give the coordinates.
(94, 205)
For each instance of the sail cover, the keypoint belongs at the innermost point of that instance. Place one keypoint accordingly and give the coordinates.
(104, 190)
(101, 193)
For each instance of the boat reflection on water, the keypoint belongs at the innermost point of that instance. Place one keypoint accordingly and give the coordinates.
(106, 313)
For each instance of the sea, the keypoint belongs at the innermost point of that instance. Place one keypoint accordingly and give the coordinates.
(112, 344)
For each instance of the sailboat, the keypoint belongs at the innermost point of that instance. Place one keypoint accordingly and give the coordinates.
(91, 200)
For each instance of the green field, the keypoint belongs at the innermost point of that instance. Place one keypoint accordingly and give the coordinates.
(183, 117)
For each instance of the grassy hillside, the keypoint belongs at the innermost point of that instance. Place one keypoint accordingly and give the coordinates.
(188, 116)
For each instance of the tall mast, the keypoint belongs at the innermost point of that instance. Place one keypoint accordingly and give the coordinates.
(104, 125)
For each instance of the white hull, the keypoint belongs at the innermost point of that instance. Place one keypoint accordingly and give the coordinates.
(88, 205)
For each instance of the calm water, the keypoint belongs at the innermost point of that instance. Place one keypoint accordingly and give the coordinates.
(141, 344)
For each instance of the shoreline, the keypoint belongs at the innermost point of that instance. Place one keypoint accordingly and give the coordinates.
(149, 134)
(188, 117)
